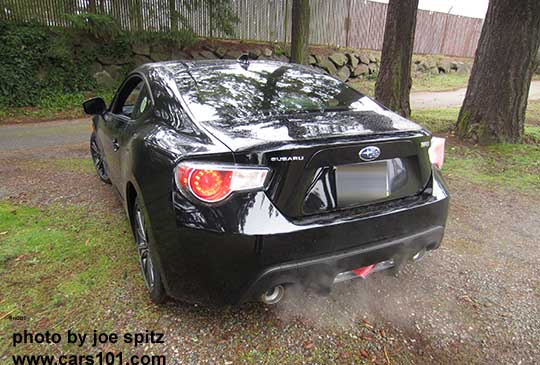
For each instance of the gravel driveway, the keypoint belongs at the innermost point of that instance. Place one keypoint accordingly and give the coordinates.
(474, 300)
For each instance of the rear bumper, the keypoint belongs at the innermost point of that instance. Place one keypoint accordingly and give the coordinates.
(320, 273)
(218, 257)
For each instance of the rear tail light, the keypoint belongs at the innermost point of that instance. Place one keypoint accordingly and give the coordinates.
(436, 151)
(212, 182)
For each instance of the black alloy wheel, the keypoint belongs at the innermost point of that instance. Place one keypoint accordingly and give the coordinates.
(97, 158)
(151, 275)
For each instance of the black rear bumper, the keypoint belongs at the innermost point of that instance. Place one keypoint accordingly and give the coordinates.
(263, 248)
(319, 273)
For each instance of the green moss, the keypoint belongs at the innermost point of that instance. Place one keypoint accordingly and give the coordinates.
(62, 266)
(532, 133)
(506, 165)
(82, 165)
(435, 83)
(436, 120)
(513, 166)
(440, 82)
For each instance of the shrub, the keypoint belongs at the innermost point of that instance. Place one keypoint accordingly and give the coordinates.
(180, 39)
(102, 27)
(37, 62)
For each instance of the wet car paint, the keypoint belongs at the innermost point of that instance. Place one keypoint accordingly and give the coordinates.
(219, 253)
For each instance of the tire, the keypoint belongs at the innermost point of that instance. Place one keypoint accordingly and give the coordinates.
(97, 158)
(151, 275)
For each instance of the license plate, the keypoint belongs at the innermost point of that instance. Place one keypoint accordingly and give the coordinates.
(361, 183)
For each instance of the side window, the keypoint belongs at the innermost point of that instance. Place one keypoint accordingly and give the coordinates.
(128, 96)
(143, 103)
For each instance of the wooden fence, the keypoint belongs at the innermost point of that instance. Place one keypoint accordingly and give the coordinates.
(348, 23)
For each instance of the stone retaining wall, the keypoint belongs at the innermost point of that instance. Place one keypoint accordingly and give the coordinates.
(346, 65)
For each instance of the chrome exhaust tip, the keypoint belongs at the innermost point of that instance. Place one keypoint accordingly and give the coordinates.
(274, 295)
(419, 255)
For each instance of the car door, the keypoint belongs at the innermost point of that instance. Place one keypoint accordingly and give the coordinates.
(116, 123)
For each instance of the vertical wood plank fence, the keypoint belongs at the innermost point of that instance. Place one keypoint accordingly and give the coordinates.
(347, 23)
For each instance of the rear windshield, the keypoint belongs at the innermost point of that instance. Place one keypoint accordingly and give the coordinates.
(232, 91)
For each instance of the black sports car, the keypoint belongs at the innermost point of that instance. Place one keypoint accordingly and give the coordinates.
(242, 178)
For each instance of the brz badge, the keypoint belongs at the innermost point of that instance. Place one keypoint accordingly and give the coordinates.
(369, 153)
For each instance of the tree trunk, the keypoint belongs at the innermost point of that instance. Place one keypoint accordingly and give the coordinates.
(173, 15)
(300, 31)
(102, 6)
(494, 107)
(394, 81)
(135, 15)
(92, 6)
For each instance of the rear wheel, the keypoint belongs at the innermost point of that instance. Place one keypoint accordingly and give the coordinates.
(152, 278)
(97, 158)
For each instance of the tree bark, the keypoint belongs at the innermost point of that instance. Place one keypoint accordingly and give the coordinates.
(394, 82)
(300, 31)
(494, 107)
(173, 15)
(92, 6)
(135, 15)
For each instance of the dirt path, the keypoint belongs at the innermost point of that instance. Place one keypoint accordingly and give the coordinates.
(44, 134)
(475, 300)
(447, 99)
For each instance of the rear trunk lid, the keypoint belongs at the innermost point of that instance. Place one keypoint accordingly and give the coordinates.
(316, 160)
(367, 118)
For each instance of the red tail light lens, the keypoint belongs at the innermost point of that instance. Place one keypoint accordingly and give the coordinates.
(212, 183)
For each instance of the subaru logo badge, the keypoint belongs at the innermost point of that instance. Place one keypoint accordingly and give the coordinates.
(370, 153)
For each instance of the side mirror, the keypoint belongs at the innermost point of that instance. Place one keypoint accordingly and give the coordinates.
(95, 106)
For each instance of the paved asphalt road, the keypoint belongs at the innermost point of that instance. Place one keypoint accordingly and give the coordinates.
(34, 135)
(68, 132)
(447, 99)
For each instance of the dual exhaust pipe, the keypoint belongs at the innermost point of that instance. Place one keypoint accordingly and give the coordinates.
(275, 295)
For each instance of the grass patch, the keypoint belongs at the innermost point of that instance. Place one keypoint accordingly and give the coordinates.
(428, 82)
(63, 268)
(436, 120)
(444, 120)
(515, 166)
(365, 86)
(82, 165)
(440, 82)
(532, 133)
(52, 107)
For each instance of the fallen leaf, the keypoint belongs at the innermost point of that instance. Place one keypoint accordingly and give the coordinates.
(368, 325)
(3, 233)
(309, 345)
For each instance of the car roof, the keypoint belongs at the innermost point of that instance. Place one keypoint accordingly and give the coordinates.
(173, 68)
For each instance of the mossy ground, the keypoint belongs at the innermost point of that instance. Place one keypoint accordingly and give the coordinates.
(516, 166)
(427, 82)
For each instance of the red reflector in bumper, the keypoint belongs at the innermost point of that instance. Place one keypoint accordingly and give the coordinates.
(363, 272)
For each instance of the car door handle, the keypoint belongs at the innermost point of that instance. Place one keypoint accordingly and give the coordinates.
(115, 144)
